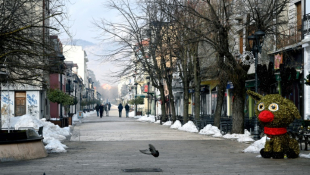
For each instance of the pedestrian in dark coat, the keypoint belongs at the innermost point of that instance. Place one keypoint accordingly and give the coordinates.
(120, 109)
(101, 110)
(127, 110)
(109, 106)
(97, 109)
(106, 108)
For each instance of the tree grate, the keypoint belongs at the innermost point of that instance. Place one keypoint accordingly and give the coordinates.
(143, 170)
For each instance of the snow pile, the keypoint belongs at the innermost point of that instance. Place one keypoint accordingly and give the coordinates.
(85, 114)
(52, 133)
(211, 130)
(246, 137)
(256, 146)
(131, 114)
(9, 124)
(167, 123)
(189, 127)
(75, 118)
(305, 155)
(54, 146)
(176, 125)
(28, 121)
(137, 116)
(157, 121)
(151, 118)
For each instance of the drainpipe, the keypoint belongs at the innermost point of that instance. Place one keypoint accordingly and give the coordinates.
(60, 90)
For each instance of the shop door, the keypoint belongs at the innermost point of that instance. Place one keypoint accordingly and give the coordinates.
(20, 103)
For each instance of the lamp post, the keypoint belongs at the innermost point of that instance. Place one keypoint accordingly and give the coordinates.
(61, 59)
(148, 95)
(80, 89)
(69, 92)
(257, 38)
(75, 100)
(136, 84)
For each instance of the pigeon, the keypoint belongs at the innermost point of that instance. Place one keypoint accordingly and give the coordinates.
(150, 151)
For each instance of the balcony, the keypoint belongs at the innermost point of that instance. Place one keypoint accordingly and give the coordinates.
(289, 37)
(69, 88)
(306, 24)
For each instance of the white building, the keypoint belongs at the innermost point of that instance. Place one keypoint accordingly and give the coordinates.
(78, 56)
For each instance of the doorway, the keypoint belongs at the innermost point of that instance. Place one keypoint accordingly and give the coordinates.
(20, 103)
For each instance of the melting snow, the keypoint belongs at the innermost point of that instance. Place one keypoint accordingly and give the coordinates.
(176, 125)
(151, 118)
(167, 123)
(246, 137)
(211, 130)
(189, 127)
(256, 146)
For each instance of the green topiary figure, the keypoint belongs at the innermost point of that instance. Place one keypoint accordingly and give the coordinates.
(275, 113)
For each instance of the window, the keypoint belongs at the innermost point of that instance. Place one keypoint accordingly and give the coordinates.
(298, 15)
(241, 42)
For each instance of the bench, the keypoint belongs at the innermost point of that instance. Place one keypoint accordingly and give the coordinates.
(225, 125)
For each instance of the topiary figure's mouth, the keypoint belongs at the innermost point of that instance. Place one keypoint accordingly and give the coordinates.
(266, 116)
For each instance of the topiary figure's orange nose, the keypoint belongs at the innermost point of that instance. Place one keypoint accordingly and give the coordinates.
(266, 116)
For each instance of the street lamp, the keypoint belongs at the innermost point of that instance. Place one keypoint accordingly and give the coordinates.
(148, 95)
(69, 92)
(75, 100)
(136, 99)
(257, 38)
(61, 68)
(80, 89)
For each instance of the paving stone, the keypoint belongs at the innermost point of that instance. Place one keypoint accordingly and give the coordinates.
(108, 145)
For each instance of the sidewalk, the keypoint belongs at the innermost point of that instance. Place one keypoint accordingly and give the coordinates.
(109, 144)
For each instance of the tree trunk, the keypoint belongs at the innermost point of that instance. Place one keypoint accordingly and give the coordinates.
(163, 107)
(197, 82)
(238, 105)
(219, 101)
(172, 104)
(185, 100)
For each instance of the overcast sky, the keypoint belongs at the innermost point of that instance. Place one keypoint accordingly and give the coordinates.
(82, 14)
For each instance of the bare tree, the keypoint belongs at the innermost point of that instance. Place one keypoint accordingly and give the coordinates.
(218, 19)
(25, 26)
(139, 41)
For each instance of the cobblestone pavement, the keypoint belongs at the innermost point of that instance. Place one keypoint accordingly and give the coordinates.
(110, 144)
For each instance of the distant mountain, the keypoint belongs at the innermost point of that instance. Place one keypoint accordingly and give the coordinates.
(83, 43)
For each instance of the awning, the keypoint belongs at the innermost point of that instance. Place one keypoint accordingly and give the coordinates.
(141, 95)
(251, 69)
(251, 83)
(211, 83)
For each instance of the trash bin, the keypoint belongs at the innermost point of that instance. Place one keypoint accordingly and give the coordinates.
(70, 118)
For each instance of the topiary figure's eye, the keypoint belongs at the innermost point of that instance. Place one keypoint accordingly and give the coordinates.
(261, 106)
(273, 107)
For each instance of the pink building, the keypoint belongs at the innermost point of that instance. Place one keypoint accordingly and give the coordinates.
(57, 79)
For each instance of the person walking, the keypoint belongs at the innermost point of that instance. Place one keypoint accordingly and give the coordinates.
(97, 109)
(109, 107)
(127, 110)
(120, 109)
(109, 104)
(101, 110)
(106, 108)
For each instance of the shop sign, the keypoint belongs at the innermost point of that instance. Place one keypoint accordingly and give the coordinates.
(145, 89)
(80, 114)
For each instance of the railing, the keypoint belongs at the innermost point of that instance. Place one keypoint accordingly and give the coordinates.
(289, 37)
(306, 24)
(69, 87)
